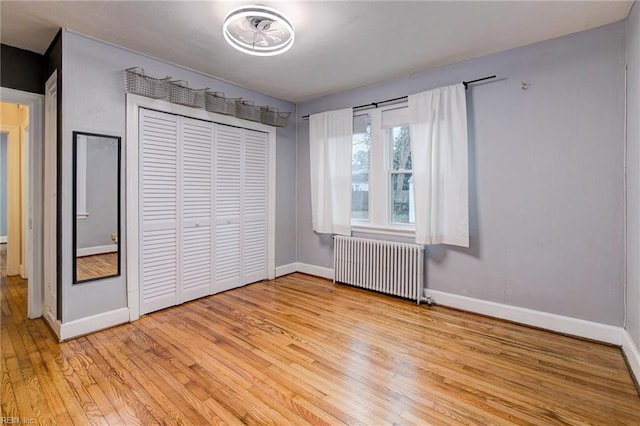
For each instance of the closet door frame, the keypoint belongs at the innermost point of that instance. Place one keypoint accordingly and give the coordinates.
(132, 228)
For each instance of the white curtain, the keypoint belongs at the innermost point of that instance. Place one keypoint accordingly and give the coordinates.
(439, 150)
(330, 146)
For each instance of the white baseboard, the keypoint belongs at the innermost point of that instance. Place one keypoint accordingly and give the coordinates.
(286, 269)
(54, 324)
(3, 239)
(558, 323)
(318, 271)
(632, 354)
(72, 329)
(305, 268)
(89, 251)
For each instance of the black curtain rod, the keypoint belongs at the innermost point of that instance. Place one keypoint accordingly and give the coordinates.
(375, 104)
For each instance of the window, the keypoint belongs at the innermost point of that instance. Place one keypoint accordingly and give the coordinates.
(381, 171)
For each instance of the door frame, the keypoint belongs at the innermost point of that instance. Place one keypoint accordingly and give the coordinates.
(24, 188)
(50, 206)
(34, 216)
(134, 103)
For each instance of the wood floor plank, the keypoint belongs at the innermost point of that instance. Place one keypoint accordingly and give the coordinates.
(236, 346)
(43, 361)
(293, 394)
(213, 360)
(123, 394)
(86, 386)
(301, 350)
(7, 395)
(176, 400)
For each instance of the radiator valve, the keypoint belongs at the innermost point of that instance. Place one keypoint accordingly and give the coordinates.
(430, 301)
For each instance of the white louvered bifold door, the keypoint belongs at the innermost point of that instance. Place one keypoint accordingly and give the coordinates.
(254, 238)
(158, 189)
(203, 208)
(228, 175)
(240, 207)
(196, 202)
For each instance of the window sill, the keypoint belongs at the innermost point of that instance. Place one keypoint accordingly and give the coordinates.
(408, 232)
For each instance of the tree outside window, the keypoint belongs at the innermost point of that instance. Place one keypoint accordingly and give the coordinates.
(401, 181)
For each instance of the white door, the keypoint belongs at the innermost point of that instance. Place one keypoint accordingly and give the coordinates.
(228, 187)
(196, 188)
(241, 207)
(50, 204)
(254, 203)
(158, 180)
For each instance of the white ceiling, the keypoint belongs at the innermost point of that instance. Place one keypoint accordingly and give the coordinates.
(339, 45)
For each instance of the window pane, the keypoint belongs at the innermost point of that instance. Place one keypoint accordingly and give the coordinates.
(361, 145)
(360, 196)
(401, 154)
(361, 154)
(402, 198)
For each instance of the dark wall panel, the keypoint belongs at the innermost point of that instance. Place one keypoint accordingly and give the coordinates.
(21, 69)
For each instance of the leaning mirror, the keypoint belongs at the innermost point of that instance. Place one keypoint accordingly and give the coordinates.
(96, 204)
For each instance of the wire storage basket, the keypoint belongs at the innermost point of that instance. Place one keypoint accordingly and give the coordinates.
(181, 93)
(273, 117)
(247, 110)
(136, 82)
(216, 102)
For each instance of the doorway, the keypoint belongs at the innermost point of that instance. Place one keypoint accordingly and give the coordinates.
(21, 124)
(14, 148)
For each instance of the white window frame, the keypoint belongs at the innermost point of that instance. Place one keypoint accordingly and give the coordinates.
(379, 221)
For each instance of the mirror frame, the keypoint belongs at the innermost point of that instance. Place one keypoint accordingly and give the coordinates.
(74, 166)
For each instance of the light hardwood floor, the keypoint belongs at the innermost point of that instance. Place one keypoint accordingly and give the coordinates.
(299, 350)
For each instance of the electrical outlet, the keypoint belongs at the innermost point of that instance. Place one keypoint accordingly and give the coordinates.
(114, 237)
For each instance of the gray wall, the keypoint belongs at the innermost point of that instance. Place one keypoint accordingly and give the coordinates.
(633, 174)
(94, 101)
(546, 177)
(102, 194)
(3, 184)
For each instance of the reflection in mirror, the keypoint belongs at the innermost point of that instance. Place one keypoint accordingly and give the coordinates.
(96, 203)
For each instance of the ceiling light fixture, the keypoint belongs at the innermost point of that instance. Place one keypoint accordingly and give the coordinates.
(258, 30)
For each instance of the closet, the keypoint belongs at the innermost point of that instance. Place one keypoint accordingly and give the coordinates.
(202, 208)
